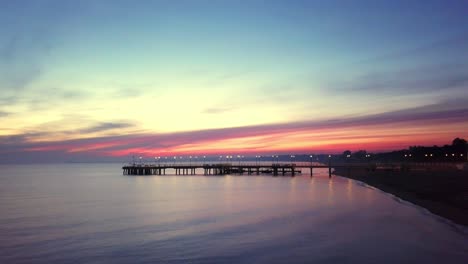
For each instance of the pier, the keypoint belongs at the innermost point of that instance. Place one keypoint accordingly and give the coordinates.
(275, 169)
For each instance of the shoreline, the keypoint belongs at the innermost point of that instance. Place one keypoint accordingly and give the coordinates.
(443, 193)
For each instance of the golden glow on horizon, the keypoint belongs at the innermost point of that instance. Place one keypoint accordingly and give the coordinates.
(375, 137)
(306, 141)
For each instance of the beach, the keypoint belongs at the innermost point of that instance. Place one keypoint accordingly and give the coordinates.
(442, 191)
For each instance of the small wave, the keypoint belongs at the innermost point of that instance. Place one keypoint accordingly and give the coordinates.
(362, 184)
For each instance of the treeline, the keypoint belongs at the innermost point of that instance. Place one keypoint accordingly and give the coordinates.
(455, 152)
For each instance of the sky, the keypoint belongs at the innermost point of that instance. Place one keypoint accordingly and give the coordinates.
(105, 80)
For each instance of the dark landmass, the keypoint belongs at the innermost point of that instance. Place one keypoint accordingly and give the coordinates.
(443, 191)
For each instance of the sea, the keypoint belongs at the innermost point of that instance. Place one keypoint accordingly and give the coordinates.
(91, 213)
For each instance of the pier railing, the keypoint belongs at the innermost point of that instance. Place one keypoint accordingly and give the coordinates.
(274, 168)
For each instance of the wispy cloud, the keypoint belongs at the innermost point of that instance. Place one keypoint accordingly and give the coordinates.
(440, 65)
(3, 113)
(217, 110)
(105, 126)
(452, 49)
(50, 97)
(431, 78)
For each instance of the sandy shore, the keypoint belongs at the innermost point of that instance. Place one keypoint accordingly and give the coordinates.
(442, 192)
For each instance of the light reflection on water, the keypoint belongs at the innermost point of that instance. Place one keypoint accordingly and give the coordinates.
(91, 213)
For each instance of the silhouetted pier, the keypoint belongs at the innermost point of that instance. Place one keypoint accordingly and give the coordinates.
(274, 169)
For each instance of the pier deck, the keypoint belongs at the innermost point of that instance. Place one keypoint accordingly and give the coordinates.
(274, 169)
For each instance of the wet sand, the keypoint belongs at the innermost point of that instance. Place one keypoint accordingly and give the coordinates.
(443, 192)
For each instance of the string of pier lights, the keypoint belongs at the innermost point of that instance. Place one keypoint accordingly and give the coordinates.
(158, 159)
(239, 159)
(257, 157)
(176, 159)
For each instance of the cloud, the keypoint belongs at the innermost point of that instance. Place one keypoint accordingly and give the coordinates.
(432, 78)
(435, 66)
(217, 110)
(451, 48)
(18, 140)
(105, 126)
(9, 100)
(3, 113)
(45, 98)
(128, 92)
(37, 101)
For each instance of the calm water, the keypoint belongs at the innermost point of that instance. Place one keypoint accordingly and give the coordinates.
(90, 213)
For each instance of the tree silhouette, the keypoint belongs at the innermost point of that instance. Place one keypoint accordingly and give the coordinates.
(459, 146)
(459, 142)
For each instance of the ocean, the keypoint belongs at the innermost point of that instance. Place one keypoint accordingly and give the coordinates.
(91, 213)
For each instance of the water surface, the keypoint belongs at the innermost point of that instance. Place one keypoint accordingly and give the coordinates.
(90, 213)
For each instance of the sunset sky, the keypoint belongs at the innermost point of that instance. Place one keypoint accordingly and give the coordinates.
(103, 80)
